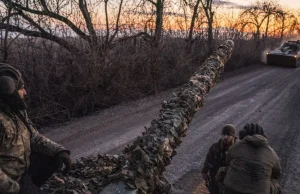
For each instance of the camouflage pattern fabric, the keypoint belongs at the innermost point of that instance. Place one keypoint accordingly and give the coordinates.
(141, 165)
(88, 174)
(17, 139)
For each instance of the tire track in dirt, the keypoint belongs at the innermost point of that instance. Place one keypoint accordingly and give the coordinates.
(104, 125)
(287, 141)
(272, 97)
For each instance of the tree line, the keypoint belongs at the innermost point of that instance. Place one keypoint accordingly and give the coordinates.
(81, 55)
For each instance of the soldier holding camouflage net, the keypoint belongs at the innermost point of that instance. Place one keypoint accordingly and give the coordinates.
(27, 158)
(216, 158)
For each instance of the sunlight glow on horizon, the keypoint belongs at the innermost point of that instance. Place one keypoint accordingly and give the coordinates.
(293, 4)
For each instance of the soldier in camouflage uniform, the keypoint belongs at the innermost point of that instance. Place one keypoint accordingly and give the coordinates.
(20, 142)
(216, 158)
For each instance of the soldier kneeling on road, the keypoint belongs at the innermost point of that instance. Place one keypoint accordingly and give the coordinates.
(27, 158)
(216, 158)
(254, 166)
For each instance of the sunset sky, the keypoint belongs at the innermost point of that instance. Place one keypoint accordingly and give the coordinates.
(286, 3)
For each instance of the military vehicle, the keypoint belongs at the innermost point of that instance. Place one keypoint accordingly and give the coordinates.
(288, 54)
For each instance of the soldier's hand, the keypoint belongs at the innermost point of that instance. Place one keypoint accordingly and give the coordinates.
(63, 158)
(11, 186)
(205, 177)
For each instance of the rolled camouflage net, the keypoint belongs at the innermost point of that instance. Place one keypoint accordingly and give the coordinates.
(142, 164)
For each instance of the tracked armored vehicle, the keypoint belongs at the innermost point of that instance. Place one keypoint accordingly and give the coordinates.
(288, 54)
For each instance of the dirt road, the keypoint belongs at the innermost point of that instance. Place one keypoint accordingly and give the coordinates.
(266, 95)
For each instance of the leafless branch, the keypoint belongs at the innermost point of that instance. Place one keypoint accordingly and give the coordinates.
(155, 4)
(51, 14)
(88, 20)
(43, 34)
(107, 24)
(117, 23)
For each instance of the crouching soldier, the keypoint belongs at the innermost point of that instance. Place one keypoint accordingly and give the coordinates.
(254, 166)
(216, 158)
(27, 158)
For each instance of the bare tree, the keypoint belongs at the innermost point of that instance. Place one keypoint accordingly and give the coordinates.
(195, 7)
(298, 24)
(294, 24)
(33, 23)
(208, 9)
(39, 18)
(282, 16)
(270, 9)
(257, 14)
(154, 73)
(159, 9)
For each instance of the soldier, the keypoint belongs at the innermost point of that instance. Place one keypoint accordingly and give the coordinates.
(27, 158)
(254, 166)
(216, 158)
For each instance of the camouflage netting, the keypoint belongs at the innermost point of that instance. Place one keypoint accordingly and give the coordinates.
(142, 164)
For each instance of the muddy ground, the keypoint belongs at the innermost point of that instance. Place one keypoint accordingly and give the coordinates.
(260, 94)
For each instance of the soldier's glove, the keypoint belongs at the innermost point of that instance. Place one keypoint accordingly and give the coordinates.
(205, 177)
(63, 158)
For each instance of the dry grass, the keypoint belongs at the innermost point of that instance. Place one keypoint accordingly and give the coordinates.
(62, 86)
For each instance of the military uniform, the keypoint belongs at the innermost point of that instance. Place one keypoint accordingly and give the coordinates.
(254, 167)
(215, 158)
(20, 142)
(18, 138)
